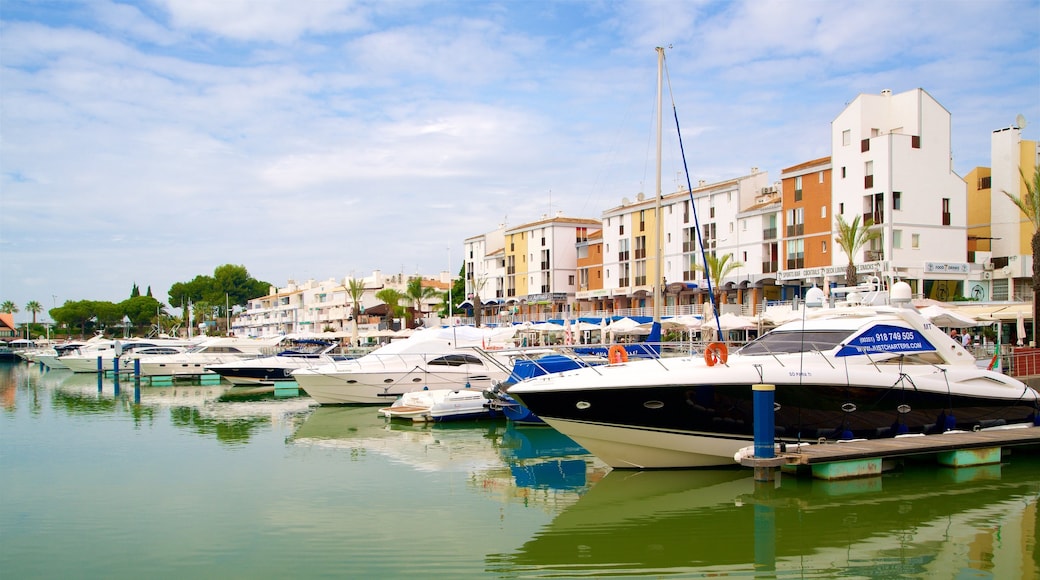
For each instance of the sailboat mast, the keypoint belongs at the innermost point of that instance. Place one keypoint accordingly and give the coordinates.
(658, 267)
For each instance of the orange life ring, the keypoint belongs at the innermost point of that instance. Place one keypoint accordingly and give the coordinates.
(617, 354)
(716, 352)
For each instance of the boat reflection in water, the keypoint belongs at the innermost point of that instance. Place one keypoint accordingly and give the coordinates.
(923, 522)
(498, 454)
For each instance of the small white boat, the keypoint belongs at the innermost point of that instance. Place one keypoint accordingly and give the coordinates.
(440, 405)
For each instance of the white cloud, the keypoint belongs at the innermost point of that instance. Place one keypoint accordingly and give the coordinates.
(168, 138)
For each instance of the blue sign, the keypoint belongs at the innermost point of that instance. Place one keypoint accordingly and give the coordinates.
(884, 338)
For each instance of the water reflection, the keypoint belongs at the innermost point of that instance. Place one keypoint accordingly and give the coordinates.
(497, 454)
(923, 522)
(197, 408)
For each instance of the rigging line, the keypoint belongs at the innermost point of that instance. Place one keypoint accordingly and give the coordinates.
(693, 207)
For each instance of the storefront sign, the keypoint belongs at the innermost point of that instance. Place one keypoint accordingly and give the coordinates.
(946, 268)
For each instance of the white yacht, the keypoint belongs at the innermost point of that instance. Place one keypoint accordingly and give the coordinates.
(435, 358)
(84, 359)
(211, 351)
(839, 373)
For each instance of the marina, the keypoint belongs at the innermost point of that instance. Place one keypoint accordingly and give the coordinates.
(176, 480)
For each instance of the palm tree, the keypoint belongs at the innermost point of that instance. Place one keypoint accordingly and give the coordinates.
(1029, 204)
(716, 269)
(34, 307)
(356, 289)
(417, 293)
(9, 307)
(851, 237)
(392, 298)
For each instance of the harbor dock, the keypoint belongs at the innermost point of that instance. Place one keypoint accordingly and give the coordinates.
(867, 458)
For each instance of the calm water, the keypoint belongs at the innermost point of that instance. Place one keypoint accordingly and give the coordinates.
(192, 483)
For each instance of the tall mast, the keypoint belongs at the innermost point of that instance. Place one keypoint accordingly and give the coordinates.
(658, 267)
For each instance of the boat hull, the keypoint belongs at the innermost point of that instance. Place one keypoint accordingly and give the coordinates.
(377, 388)
(704, 423)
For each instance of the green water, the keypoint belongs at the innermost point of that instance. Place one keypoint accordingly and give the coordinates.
(192, 481)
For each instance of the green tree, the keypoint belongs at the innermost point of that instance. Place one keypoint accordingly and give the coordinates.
(230, 285)
(142, 311)
(717, 268)
(1029, 204)
(356, 290)
(34, 307)
(9, 307)
(135, 291)
(417, 293)
(392, 298)
(455, 295)
(74, 314)
(851, 237)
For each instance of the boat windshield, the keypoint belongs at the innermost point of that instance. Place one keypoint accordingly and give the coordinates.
(796, 341)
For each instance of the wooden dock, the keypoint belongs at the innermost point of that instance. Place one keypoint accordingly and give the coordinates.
(865, 458)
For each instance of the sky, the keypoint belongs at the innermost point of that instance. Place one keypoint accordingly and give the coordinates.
(150, 142)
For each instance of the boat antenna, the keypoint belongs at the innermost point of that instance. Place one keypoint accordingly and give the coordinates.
(693, 206)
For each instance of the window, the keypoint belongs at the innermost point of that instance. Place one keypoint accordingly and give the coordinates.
(915, 142)
(897, 239)
(864, 145)
(823, 212)
(841, 208)
(946, 211)
(843, 172)
(570, 279)
(824, 246)
(868, 175)
(897, 200)
(821, 177)
(621, 229)
(798, 188)
(915, 241)
(846, 137)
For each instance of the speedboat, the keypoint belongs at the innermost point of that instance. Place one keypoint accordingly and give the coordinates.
(433, 358)
(268, 370)
(440, 405)
(839, 373)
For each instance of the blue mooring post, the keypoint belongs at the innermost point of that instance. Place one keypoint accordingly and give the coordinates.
(765, 427)
(137, 368)
(100, 365)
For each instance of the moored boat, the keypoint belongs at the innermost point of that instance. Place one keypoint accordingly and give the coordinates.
(440, 405)
(268, 370)
(435, 358)
(839, 373)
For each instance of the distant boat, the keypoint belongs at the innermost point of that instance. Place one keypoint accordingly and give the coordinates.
(211, 351)
(269, 370)
(84, 359)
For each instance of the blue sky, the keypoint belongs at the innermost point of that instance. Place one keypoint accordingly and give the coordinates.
(150, 142)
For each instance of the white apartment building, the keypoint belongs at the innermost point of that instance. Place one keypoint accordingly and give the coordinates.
(541, 264)
(892, 163)
(485, 267)
(630, 243)
(320, 306)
